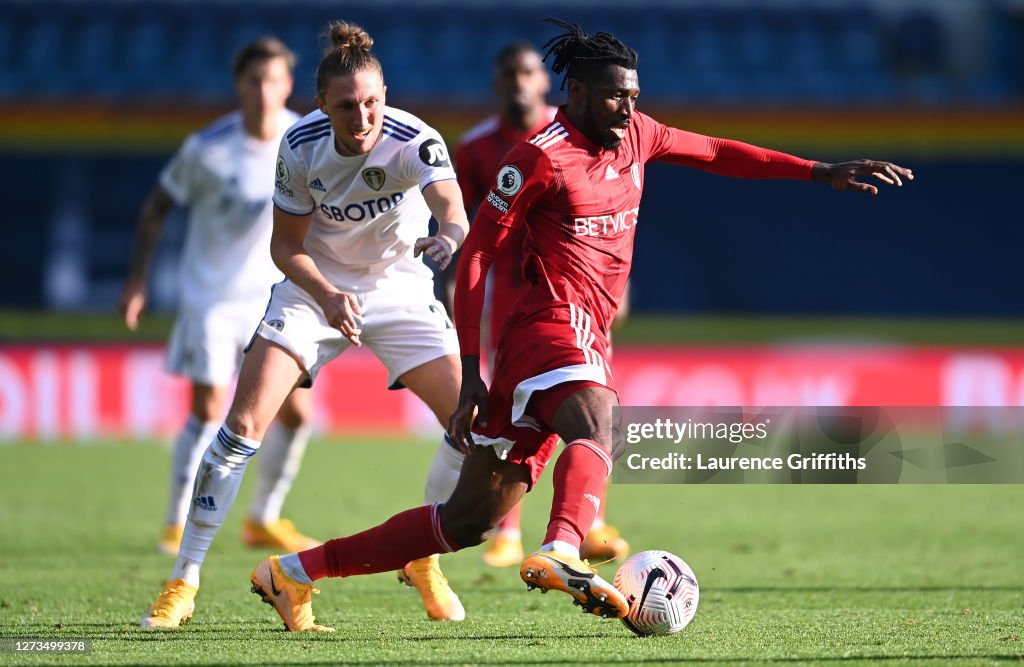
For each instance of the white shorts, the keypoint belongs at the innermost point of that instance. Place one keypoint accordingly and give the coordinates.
(206, 346)
(403, 328)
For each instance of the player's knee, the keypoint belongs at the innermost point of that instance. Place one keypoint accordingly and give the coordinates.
(471, 534)
(245, 425)
(603, 440)
(468, 529)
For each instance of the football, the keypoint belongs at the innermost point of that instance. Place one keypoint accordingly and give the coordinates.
(661, 590)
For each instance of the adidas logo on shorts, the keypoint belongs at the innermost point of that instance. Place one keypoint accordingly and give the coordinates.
(315, 184)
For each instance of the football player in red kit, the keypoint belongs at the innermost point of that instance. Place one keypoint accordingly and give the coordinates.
(520, 84)
(575, 188)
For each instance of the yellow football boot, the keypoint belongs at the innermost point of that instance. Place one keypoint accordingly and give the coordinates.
(173, 607)
(292, 601)
(549, 570)
(280, 535)
(440, 601)
(503, 551)
(603, 544)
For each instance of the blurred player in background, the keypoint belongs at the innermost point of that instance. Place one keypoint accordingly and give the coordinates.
(576, 188)
(520, 84)
(225, 175)
(357, 183)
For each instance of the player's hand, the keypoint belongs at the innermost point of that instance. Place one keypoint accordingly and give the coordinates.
(133, 300)
(472, 401)
(438, 248)
(342, 312)
(843, 175)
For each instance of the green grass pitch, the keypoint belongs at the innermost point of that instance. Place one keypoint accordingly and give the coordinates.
(850, 575)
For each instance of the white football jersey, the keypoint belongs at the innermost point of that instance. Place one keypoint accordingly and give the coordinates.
(367, 210)
(226, 178)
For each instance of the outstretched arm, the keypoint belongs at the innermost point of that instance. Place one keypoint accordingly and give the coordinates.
(727, 157)
(843, 175)
(151, 221)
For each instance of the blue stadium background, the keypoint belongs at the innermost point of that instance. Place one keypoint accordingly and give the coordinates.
(934, 85)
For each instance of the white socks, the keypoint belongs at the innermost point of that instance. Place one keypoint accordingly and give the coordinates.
(444, 472)
(292, 566)
(283, 448)
(217, 482)
(561, 547)
(188, 448)
(188, 570)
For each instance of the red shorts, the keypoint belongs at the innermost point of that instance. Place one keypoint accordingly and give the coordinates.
(540, 361)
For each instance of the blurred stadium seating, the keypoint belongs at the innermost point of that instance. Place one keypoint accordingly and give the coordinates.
(811, 52)
(96, 94)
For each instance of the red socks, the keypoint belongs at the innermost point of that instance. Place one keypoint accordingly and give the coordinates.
(413, 534)
(580, 478)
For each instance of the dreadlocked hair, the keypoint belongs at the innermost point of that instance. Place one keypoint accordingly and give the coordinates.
(581, 56)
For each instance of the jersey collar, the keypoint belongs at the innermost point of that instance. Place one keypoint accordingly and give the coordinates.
(577, 137)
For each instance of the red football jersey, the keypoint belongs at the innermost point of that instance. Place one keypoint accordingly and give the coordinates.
(579, 204)
(477, 158)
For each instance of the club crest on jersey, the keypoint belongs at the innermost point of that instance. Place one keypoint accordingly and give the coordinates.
(634, 171)
(282, 170)
(374, 177)
(510, 180)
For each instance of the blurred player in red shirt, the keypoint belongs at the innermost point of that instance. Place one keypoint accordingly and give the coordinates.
(575, 187)
(521, 83)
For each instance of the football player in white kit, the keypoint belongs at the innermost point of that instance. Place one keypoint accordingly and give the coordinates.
(357, 183)
(224, 174)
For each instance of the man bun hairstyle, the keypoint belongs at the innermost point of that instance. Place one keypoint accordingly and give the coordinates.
(582, 56)
(348, 53)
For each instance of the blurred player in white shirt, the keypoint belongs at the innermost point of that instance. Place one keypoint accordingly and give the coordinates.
(224, 174)
(357, 183)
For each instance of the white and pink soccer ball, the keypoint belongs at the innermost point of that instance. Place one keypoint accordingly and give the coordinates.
(661, 590)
